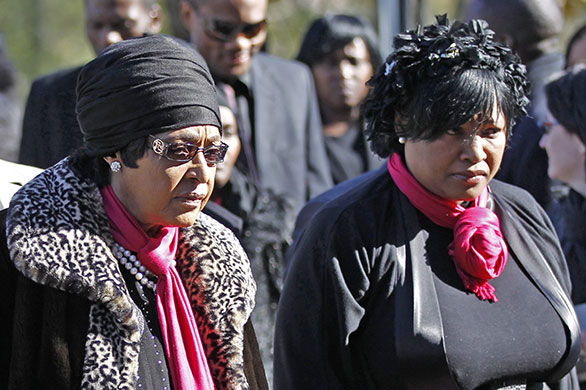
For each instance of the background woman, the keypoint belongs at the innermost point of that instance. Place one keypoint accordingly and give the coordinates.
(564, 141)
(111, 277)
(430, 275)
(341, 51)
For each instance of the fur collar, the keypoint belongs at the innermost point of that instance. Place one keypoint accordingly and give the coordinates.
(58, 235)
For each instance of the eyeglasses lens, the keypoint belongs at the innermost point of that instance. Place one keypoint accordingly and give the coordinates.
(213, 154)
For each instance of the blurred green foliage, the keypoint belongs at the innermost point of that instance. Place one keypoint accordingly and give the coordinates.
(46, 35)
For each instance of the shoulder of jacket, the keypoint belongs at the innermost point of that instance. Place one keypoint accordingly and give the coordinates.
(59, 77)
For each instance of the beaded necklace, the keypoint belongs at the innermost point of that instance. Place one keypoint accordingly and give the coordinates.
(132, 264)
(144, 278)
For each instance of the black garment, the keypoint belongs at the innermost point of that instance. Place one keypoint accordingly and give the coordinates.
(153, 371)
(360, 308)
(266, 237)
(50, 131)
(286, 131)
(534, 347)
(525, 162)
(572, 234)
(349, 155)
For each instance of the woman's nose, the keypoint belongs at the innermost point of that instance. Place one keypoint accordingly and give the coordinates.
(473, 149)
(199, 168)
(543, 141)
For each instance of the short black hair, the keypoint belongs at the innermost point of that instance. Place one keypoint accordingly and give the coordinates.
(439, 77)
(566, 100)
(86, 164)
(334, 31)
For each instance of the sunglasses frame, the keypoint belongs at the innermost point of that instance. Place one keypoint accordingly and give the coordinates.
(161, 148)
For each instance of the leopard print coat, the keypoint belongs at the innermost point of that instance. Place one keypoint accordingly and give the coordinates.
(58, 236)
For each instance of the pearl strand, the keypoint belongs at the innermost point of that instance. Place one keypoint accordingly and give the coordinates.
(129, 261)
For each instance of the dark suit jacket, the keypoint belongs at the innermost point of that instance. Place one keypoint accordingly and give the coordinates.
(289, 144)
(50, 130)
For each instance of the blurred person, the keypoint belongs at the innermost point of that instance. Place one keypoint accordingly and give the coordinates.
(274, 99)
(531, 28)
(565, 144)
(266, 232)
(50, 130)
(342, 53)
(576, 48)
(564, 141)
(430, 274)
(112, 278)
(12, 175)
(10, 107)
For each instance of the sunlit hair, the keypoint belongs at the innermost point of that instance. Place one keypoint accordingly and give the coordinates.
(439, 77)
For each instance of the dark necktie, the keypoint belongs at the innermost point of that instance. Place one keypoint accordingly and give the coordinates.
(239, 104)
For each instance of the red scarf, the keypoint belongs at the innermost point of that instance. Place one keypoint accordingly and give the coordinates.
(187, 360)
(479, 250)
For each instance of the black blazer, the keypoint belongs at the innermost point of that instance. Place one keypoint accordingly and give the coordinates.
(289, 143)
(50, 130)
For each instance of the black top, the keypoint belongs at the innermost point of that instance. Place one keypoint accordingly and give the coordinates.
(572, 233)
(504, 344)
(153, 372)
(347, 155)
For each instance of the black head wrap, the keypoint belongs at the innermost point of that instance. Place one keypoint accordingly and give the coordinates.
(143, 86)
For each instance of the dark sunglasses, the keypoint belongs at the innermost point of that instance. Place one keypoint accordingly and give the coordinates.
(227, 32)
(185, 151)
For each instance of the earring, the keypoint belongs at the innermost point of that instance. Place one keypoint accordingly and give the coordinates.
(402, 140)
(115, 166)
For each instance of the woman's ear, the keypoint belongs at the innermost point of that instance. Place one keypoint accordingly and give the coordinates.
(114, 157)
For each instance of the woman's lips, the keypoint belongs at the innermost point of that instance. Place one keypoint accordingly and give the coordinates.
(192, 199)
(471, 177)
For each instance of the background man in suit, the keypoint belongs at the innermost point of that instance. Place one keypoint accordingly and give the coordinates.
(50, 131)
(282, 154)
(282, 140)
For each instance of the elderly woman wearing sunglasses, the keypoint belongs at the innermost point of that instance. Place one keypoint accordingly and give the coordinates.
(110, 275)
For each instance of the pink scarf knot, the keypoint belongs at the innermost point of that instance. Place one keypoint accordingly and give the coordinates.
(479, 250)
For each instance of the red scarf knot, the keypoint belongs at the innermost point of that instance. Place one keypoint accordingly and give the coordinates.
(479, 250)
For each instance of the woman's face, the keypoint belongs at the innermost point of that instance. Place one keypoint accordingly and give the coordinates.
(161, 192)
(565, 152)
(340, 78)
(577, 53)
(230, 137)
(459, 164)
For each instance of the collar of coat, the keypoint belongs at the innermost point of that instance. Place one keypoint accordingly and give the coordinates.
(58, 235)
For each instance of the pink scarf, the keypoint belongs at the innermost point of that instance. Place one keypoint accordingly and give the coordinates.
(479, 250)
(187, 360)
